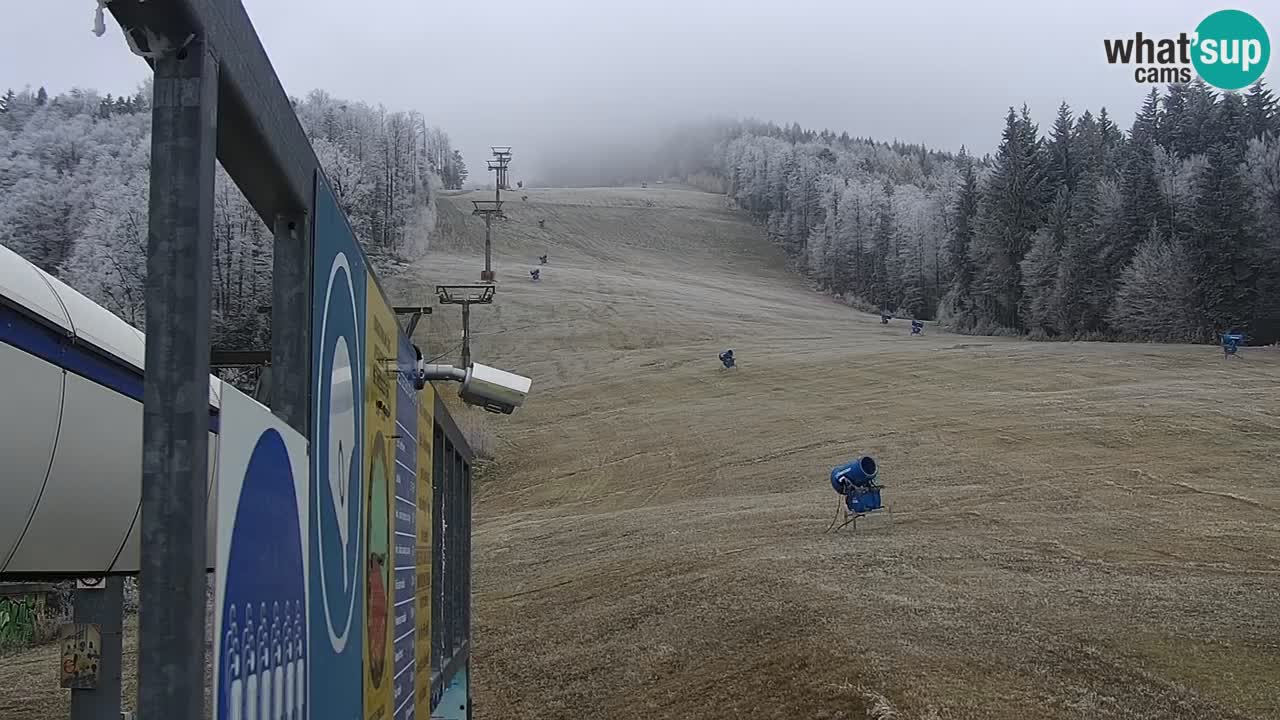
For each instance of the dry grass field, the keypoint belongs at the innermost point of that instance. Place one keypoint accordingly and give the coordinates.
(1078, 530)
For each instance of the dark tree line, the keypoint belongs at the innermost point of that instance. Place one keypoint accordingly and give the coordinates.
(1167, 232)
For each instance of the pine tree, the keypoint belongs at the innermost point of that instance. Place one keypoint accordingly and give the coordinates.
(911, 279)
(1174, 118)
(1072, 309)
(7, 100)
(1233, 125)
(1058, 217)
(1176, 180)
(1138, 185)
(1082, 288)
(1087, 140)
(1064, 167)
(455, 173)
(963, 214)
(141, 100)
(1263, 167)
(1011, 209)
(1223, 246)
(1112, 143)
(1263, 162)
(42, 97)
(1039, 277)
(1197, 129)
(1260, 111)
(882, 291)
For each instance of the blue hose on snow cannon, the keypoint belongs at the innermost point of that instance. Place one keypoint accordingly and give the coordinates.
(858, 482)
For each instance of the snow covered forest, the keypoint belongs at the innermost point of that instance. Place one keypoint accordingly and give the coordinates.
(74, 189)
(1169, 232)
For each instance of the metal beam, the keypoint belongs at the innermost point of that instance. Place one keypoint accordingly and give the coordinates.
(415, 314)
(260, 140)
(175, 410)
(291, 323)
(240, 359)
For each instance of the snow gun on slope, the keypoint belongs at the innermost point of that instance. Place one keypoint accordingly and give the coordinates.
(1231, 341)
(858, 484)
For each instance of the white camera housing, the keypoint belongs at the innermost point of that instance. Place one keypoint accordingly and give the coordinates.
(419, 371)
(497, 391)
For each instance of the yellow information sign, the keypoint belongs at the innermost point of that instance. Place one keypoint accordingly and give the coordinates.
(426, 432)
(381, 335)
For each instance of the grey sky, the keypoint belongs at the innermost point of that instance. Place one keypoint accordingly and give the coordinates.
(539, 73)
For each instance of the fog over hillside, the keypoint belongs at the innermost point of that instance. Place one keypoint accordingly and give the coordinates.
(556, 73)
(841, 128)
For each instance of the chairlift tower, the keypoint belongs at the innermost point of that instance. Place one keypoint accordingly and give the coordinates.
(501, 160)
(488, 209)
(493, 208)
(466, 296)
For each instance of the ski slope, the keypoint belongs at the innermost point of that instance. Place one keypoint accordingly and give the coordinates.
(1081, 531)
(1078, 530)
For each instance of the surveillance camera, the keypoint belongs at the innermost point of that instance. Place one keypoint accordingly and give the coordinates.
(497, 391)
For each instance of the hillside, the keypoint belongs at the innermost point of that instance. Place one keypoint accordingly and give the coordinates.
(1078, 530)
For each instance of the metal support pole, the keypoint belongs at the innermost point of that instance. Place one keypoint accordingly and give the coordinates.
(488, 246)
(466, 335)
(105, 607)
(175, 411)
(466, 582)
(291, 322)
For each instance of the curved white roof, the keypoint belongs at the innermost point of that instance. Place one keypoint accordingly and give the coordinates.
(72, 440)
(59, 304)
(27, 286)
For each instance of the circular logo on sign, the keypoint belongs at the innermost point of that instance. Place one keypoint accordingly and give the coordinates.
(1232, 49)
(263, 645)
(337, 451)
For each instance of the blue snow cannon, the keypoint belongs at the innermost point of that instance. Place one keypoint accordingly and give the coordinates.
(917, 327)
(859, 473)
(1231, 343)
(858, 483)
(726, 357)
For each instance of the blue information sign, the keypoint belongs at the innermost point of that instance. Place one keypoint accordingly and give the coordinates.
(404, 544)
(336, 573)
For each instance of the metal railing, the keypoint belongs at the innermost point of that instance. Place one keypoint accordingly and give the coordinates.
(451, 552)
